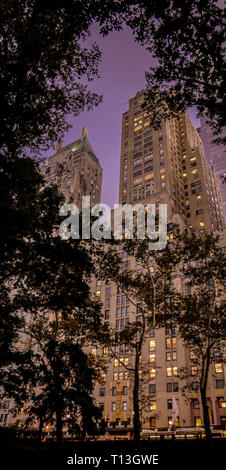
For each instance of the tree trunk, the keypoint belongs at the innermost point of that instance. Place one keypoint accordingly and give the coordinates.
(136, 417)
(203, 387)
(41, 422)
(59, 428)
(205, 413)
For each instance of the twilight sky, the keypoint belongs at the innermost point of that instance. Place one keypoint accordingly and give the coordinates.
(122, 71)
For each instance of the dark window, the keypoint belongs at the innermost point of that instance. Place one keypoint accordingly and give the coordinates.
(195, 386)
(113, 391)
(108, 291)
(169, 404)
(152, 388)
(102, 392)
(107, 314)
(175, 386)
(219, 383)
(187, 287)
(169, 387)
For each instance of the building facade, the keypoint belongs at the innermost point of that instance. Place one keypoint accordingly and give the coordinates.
(76, 171)
(168, 166)
(215, 155)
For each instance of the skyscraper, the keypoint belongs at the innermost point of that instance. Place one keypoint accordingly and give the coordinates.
(168, 166)
(215, 155)
(75, 169)
(158, 166)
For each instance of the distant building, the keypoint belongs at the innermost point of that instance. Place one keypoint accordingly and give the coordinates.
(215, 155)
(75, 169)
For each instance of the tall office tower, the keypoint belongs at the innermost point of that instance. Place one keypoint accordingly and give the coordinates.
(215, 155)
(168, 166)
(164, 166)
(76, 171)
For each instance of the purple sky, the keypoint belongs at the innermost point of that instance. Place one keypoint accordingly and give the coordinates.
(122, 71)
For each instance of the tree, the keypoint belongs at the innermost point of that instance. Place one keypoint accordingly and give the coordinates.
(54, 385)
(52, 370)
(150, 294)
(42, 66)
(27, 210)
(188, 42)
(199, 314)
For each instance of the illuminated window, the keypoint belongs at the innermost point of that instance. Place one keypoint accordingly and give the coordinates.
(221, 402)
(163, 177)
(218, 368)
(202, 224)
(184, 174)
(124, 406)
(115, 376)
(94, 352)
(175, 371)
(194, 171)
(153, 405)
(174, 354)
(126, 361)
(170, 421)
(140, 374)
(152, 358)
(113, 406)
(199, 196)
(152, 373)
(137, 128)
(197, 421)
(192, 159)
(168, 343)
(168, 356)
(120, 376)
(169, 371)
(152, 344)
(105, 351)
(174, 342)
(194, 370)
(148, 176)
(162, 170)
(116, 362)
(153, 422)
(184, 156)
(97, 293)
(103, 377)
